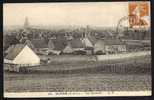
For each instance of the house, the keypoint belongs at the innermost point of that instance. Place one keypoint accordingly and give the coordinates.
(29, 43)
(80, 45)
(68, 49)
(22, 55)
(58, 45)
(88, 42)
(135, 45)
(51, 48)
(109, 46)
(39, 46)
(99, 47)
(51, 44)
(75, 46)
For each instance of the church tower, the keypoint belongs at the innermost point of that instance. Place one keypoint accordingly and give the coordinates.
(26, 23)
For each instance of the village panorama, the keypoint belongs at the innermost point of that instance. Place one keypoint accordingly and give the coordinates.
(76, 58)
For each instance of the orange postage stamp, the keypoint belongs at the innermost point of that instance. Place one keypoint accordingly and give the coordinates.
(139, 13)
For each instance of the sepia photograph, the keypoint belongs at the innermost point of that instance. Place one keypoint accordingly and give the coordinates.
(82, 49)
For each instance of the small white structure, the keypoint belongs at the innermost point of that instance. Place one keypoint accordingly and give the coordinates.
(22, 55)
(110, 46)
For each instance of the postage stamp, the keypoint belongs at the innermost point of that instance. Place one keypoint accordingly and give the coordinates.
(84, 49)
(138, 17)
(140, 14)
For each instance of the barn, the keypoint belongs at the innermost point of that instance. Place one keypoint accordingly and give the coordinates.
(21, 56)
(109, 46)
(88, 42)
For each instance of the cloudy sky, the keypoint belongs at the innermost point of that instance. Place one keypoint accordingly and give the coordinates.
(94, 14)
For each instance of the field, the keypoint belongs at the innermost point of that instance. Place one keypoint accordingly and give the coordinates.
(76, 82)
(81, 73)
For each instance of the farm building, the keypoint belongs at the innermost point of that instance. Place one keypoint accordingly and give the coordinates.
(68, 49)
(22, 55)
(137, 45)
(88, 42)
(79, 46)
(52, 48)
(75, 46)
(109, 46)
(38, 45)
(58, 45)
(88, 45)
(51, 44)
(29, 43)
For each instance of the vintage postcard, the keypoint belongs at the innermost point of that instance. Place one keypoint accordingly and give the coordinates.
(83, 49)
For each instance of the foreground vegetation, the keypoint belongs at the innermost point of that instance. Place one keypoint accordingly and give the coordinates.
(76, 82)
(86, 75)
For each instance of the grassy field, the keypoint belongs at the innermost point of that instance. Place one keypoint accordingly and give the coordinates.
(75, 82)
(66, 74)
(87, 79)
(87, 63)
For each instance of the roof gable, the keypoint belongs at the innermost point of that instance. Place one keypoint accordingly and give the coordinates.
(68, 49)
(87, 42)
(92, 39)
(27, 56)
